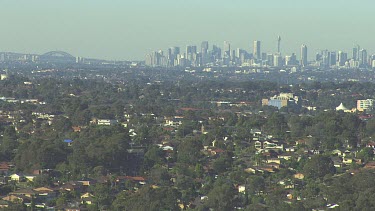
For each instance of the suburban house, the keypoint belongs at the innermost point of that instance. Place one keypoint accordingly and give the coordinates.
(46, 193)
(107, 122)
(24, 192)
(273, 145)
(16, 177)
(5, 167)
(87, 198)
(173, 121)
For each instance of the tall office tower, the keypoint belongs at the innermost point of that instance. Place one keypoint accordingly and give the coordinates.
(256, 49)
(194, 49)
(362, 57)
(226, 53)
(155, 59)
(170, 57)
(288, 60)
(148, 60)
(264, 56)
(304, 55)
(237, 55)
(238, 52)
(162, 60)
(277, 60)
(242, 57)
(278, 44)
(181, 60)
(325, 58)
(226, 48)
(193, 56)
(188, 55)
(294, 59)
(355, 54)
(188, 50)
(331, 57)
(233, 56)
(291, 60)
(270, 59)
(216, 53)
(204, 47)
(204, 52)
(318, 57)
(169, 52)
(342, 58)
(175, 51)
(198, 59)
(372, 61)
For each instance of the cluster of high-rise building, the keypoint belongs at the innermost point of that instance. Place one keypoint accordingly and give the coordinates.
(358, 59)
(227, 56)
(216, 56)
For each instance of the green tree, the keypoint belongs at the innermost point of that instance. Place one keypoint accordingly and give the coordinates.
(223, 163)
(221, 197)
(277, 125)
(147, 199)
(154, 155)
(102, 195)
(189, 151)
(367, 154)
(318, 166)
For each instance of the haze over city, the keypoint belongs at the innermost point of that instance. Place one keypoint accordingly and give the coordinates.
(187, 105)
(128, 30)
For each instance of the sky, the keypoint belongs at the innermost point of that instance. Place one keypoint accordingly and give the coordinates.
(129, 29)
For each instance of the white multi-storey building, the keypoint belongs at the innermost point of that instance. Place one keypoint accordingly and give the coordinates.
(367, 104)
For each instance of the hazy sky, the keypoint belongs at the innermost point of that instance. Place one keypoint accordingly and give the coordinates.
(129, 29)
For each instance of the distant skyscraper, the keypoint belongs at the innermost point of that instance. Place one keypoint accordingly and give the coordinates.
(216, 53)
(294, 59)
(204, 47)
(355, 53)
(227, 52)
(363, 57)
(256, 49)
(331, 58)
(238, 52)
(290, 60)
(175, 51)
(156, 59)
(233, 55)
(304, 55)
(204, 52)
(277, 60)
(188, 50)
(278, 44)
(264, 56)
(170, 57)
(194, 49)
(342, 58)
(226, 47)
(270, 59)
(372, 61)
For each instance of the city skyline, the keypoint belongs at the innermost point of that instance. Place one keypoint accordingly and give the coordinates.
(128, 30)
(253, 47)
(256, 56)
